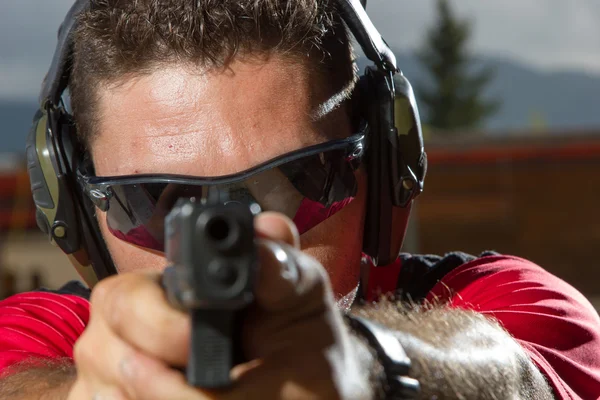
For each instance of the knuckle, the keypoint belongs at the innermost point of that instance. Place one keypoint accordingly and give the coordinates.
(103, 290)
(109, 300)
(289, 278)
(82, 351)
(117, 301)
(312, 273)
(157, 341)
(157, 327)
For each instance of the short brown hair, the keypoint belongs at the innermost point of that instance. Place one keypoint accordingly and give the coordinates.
(116, 38)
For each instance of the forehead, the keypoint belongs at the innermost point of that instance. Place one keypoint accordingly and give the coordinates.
(181, 120)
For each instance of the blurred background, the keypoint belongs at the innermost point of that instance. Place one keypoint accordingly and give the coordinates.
(509, 94)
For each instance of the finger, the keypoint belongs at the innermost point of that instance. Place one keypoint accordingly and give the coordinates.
(136, 309)
(266, 335)
(288, 278)
(97, 354)
(293, 301)
(110, 369)
(148, 379)
(293, 375)
(277, 227)
(109, 394)
(81, 390)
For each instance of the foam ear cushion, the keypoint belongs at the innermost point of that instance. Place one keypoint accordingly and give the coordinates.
(40, 170)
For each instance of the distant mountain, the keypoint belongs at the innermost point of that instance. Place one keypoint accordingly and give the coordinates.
(564, 100)
(16, 120)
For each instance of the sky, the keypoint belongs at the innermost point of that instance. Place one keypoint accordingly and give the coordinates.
(548, 34)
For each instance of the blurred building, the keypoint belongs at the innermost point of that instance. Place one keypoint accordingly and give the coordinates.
(27, 260)
(16, 205)
(532, 195)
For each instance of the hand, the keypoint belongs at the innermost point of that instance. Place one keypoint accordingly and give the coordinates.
(293, 334)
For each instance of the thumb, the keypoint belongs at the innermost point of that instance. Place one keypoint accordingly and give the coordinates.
(293, 300)
(286, 275)
(277, 227)
(278, 248)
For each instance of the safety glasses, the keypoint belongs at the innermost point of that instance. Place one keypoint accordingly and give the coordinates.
(308, 185)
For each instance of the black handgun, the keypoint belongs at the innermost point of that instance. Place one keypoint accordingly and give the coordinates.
(211, 275)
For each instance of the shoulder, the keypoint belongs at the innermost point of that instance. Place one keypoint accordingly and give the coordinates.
(42, 324)
(553, 322)
(510, 278)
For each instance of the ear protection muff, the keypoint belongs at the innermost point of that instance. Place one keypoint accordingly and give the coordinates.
(52, 152)
(396, 158)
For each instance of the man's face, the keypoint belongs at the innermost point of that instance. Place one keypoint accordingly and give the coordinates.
(178, 120)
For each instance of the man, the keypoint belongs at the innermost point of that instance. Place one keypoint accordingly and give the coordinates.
(214, 88)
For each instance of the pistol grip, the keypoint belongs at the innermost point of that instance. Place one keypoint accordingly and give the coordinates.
(212, 348)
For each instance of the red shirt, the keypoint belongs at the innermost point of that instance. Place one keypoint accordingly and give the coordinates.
(38, 324)
(552, 321)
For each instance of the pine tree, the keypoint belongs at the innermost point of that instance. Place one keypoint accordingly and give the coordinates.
(453, 98)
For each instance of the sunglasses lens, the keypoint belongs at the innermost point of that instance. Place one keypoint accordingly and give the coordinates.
(308, 191)
(134, 215)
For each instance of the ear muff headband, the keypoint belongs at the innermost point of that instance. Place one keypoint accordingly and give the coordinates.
(367, 36)
(57, 78)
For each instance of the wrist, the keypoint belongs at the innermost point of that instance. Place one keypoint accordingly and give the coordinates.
(367, 357)
(389, 365)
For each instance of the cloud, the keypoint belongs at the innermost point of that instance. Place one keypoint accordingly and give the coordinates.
(546, 33)
(20, 82)
(27, 40)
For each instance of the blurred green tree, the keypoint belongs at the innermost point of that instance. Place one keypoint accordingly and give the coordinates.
(538, 122)
(453, 98)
